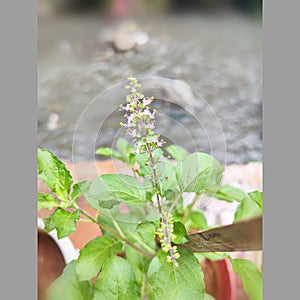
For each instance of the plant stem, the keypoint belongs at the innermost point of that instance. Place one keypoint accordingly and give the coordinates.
(174, 202)
(145, 246)
(123, 235)
(144, 133)
(85, 220)
(112, 232)
(118, 227)
(154, 177)
(190, 207)
(86, 214)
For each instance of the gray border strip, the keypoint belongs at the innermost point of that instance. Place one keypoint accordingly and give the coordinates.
(281, 154)
(18, 59)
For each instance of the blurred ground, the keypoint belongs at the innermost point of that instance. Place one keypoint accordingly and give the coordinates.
(219, 57)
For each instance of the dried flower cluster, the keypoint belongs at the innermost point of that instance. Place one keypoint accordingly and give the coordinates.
(166, 235)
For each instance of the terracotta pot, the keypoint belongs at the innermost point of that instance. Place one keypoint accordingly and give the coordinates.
(53, 255)
(221, 282)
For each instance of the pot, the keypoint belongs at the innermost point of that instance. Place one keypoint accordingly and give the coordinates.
(53, 255)
(220, 280)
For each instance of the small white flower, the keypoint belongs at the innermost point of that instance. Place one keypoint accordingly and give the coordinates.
(132, 133)
(147, 101)
(131, 117)
(126, 107)
(159, 143)
(149, 126)
(147, 112)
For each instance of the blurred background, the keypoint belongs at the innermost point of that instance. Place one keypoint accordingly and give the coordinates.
(211, 47)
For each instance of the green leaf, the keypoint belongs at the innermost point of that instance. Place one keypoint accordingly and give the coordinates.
(177, 152)
(79, 189)
(142, 159)
(167, 176)
(128, 225)
(136, 215)
(124, 149)
(146, 231)
(98, 196)
(54, 173)
(125, 188)
(208, 297)
(109, 152)
(139, 263)
(247, 209)
(211, 255)
(250, 204)
(111, 219)
(180, 232)
(68, 287)
(116, 281)
(46, 201)
(197, 220)
(111, 189)
(199, 172)
(229, 193)
(171, 283)
(250, 275)
(94, 254)
(178, 215)
(175, 200)
(63, 221)
(124, 154)
(256, 196)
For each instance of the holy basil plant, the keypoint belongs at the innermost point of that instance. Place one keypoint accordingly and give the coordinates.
(156, 218)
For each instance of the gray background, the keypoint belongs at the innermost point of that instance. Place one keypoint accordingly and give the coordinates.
(18, 62)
